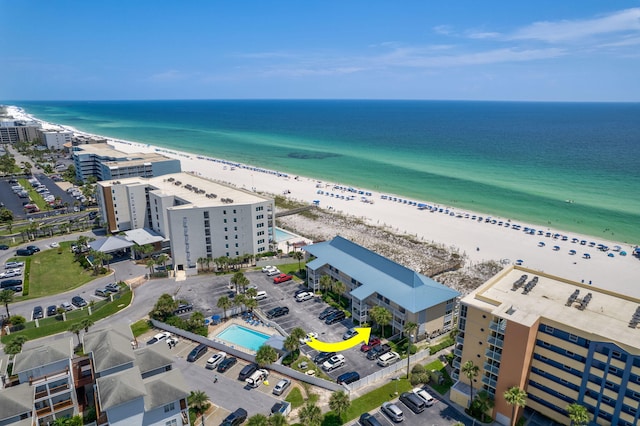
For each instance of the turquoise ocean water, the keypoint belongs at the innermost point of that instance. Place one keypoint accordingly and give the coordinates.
(518, 160)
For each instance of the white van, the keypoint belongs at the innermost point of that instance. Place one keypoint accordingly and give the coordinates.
(256, 378)
(388, 359)
(261, 295)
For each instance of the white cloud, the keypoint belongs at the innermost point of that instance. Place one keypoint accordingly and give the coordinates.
(483, 35)
(562, 31)
(169, 75)
(443, 29)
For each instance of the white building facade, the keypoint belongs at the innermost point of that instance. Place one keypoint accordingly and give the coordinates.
(200, 218)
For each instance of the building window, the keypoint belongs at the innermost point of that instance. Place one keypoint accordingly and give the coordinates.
(224, 212)
(235, 219)
(225, 220)
(173, 422)
(548, 329)
(206, 215)
(236, 245)
(234, 211)
(616, 354)
(573, 338)
(260, 216)
(169, 407)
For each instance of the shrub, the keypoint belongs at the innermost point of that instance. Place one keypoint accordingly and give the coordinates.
(449, 341)
(420, 378)
(18, 322)
(417, 369)
(413, 349)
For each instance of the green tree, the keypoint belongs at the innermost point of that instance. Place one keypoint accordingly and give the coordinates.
(237, 279)
(338, 288)
(76, 328)
(239, 301)
(14, 346)
(162, 260)
(6, 215)
(250, 303)
(326, 283)
(515, 397)
(310, 415)
(470, 371)
(150, 264)
(291, 344)
(409, 328)
(258, 420)
(380, 316)
(578, 414)
(277, 419)
(482, 403)
(298, 333)
(198, 402)
(339, 402)
(252, 292)
(164, 308)
(266, 355)
(86, 323)
(6, 297)
(18, 321)
(298, 255)
(224, 303)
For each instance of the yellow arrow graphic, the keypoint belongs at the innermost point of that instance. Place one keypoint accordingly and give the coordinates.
(361, 337)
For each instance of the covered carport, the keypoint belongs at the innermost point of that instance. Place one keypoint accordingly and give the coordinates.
(118, 247)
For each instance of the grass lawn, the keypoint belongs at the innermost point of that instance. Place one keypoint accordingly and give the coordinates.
(53, 273)
(448, 382)
(35, 196)
(375, 398)
(140, 327)
(295, 398)
(54, 325)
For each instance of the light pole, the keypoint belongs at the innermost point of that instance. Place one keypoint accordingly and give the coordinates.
(409, 353)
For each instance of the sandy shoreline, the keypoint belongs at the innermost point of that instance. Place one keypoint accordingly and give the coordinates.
(480, 241)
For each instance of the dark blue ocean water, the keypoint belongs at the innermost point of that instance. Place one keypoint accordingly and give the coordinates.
(514, 159)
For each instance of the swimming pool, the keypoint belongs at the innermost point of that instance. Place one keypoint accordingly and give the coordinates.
(282, 235)
(242, 336)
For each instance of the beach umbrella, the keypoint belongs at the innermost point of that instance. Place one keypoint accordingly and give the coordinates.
(623, 253)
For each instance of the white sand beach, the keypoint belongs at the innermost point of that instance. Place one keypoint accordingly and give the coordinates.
(478, 239)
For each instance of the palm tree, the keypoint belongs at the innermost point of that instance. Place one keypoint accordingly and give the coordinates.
(224, 303)
(578, 414)
(409, 328)
(326, 283)
(258, 420)
(483, 402)
(86, 323)
(277, 419)
(471, 371)
(515, 397)
(339, 402)
(6, 297)
(252, 292)
(237, 279)
(298, 333)
(199, 402)
(76, 328)
(146, 249)
(298, 255)
(291, 344)
(150, 264)
(239, 301)
(380, 316)
(250, 303)
(201, 261)
(266, 355)
(162, 260)
(310, 415)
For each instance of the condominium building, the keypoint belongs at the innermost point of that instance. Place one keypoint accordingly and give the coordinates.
(200, 218)
(373, 280)
(104, 162)
(55, 140)
(561, 341)
(12, 131)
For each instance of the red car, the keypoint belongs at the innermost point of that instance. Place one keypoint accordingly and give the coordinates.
(374, 341)
(282, 278)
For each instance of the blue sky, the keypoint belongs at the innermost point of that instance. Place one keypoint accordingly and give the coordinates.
(270, 49)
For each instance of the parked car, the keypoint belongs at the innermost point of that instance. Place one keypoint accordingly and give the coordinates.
(227, 363)
(373, 342)
(327, 311)
(215, 360)
(378, 350)
(34, 249)
(261, 295)
(367, 419)
(197, 352)
(301, 290)
(334, 362)
(4, 247)
(183, 308)
(274, 271)
(335, 317)
(308, 337)
(413, 401)
(425, 396)
(52, 310)
(247, 371)
(281, 386)
(13, 265)
(10, 283)
(24, 252)
(54, 245)
(282, 278)
(350, 377)
(66, 306)
(322, 357)
(38, 313)
(393, 411)
(387, 359)
(15, 288)
(159, 337)
(112, 287)
(236, 418)
(349, 334)
(278, 311)
(268, 268)
(78, 301)
(102, 292)
(304, 296)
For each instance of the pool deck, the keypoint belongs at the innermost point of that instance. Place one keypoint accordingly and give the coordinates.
(215, 330)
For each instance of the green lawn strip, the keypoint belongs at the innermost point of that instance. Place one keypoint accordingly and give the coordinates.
(35, 196)
(52, 325)
(375, 398)
(51, 272)
(140, 327)
(438, 365)
(295, 398)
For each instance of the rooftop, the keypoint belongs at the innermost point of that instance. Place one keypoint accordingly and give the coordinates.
(162, 389)
(119, 388)
(111, 347)
(196, 191)
(377, 274)
(605, 313)
(56, 351)
(149, 358)
(15, 401)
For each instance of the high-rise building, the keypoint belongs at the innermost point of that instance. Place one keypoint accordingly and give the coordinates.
(560, 341)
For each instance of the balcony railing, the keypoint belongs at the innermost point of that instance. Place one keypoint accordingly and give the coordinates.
(493, 355)
(491, 368)
(498, 327)
(496, 342)
(489, 381)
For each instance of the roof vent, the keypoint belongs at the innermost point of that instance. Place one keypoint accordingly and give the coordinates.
(573, 297)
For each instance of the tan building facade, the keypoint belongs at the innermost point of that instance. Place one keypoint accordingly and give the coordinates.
(561, 341)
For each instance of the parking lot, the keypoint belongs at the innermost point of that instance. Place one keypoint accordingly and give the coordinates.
(439, 414)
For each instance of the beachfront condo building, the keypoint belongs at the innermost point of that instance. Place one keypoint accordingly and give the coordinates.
(374, 280)
(55, 140)
(103, 162)
(12, 131)
(560, 341)
(199, 218)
